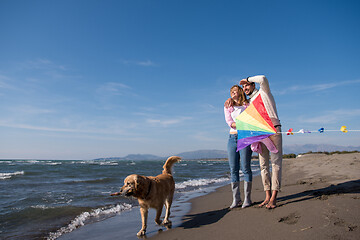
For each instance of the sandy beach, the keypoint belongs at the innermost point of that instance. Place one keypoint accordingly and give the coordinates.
(320, 199)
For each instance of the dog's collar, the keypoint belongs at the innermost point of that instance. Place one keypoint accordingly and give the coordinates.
(148, 193)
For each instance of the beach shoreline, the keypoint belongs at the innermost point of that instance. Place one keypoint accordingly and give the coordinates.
(127, 223)
(319, 200)
(61, 199)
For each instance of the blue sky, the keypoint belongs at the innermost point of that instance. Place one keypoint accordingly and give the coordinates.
(88, 79)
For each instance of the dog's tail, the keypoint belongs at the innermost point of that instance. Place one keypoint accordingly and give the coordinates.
(169, 163)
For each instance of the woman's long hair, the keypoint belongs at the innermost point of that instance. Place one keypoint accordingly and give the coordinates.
(242, 97)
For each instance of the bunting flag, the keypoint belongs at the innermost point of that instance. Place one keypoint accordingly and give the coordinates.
(320, 130)
(253, 124)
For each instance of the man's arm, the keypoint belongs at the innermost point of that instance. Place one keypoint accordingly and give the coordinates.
(260, 79)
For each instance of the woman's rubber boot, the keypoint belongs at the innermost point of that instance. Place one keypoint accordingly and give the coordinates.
(235, 188)
(247, 194)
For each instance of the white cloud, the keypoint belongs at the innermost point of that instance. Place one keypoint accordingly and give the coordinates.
(167, 122)
(111, 129)
(334, 116)
(114, 88)
(210, 108)
(43, 64)
(146, 63)
(205, 137)
(39, 128)
(2, 77)
(4, 82)
(28, 109)
(315, 87)
(41, 67)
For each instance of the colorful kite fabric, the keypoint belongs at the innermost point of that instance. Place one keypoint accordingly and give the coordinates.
(253, 124)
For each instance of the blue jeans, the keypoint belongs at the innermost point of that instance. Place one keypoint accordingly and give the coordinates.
(234, 160)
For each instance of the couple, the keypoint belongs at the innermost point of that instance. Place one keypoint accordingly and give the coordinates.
(232, 108)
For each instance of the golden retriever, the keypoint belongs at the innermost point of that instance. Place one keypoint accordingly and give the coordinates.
(152, 192)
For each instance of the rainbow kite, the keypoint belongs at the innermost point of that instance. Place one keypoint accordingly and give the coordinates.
(253, 124)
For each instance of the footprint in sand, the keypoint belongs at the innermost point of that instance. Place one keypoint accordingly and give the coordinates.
(339, 222)
(292, 218)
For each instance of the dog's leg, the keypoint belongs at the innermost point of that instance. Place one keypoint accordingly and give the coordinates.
(168, 203)
(144, 216)
(158, 214)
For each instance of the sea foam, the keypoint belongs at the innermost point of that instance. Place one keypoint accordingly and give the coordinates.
(85, 216)
(9, 175)
(199, 182)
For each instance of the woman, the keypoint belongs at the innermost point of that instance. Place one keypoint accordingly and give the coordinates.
(239, 104)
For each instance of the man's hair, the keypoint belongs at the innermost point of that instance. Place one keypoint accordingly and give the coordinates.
(251, 83)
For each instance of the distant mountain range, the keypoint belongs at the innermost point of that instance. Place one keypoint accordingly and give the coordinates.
(133, 157)
(200, 154)
(217, 154)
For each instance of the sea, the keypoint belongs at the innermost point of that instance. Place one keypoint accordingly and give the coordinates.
(55, 199)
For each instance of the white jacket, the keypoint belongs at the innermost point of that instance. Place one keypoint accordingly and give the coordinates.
(266, 96)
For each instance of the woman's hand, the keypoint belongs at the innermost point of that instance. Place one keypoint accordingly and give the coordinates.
(233, 125)
(229, 103)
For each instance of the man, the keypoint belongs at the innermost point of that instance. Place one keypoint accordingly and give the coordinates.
(271, 184)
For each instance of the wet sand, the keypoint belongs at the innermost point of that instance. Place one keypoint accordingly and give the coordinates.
(320, 199)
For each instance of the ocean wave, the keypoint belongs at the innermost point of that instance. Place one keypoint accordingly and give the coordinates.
(27, 161)
(53, 163)
(9, 175)
(92, 162)
(85, 216)
(78, 162)
(104, 163)
(109, 163)
(2, 161)
(91, 181)
(43, 207)
(199, 182)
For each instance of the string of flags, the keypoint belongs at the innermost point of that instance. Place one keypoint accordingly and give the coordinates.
(320, 130)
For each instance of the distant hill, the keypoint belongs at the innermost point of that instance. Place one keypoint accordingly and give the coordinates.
(134, 157)
(216, 154)
(200, 154)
